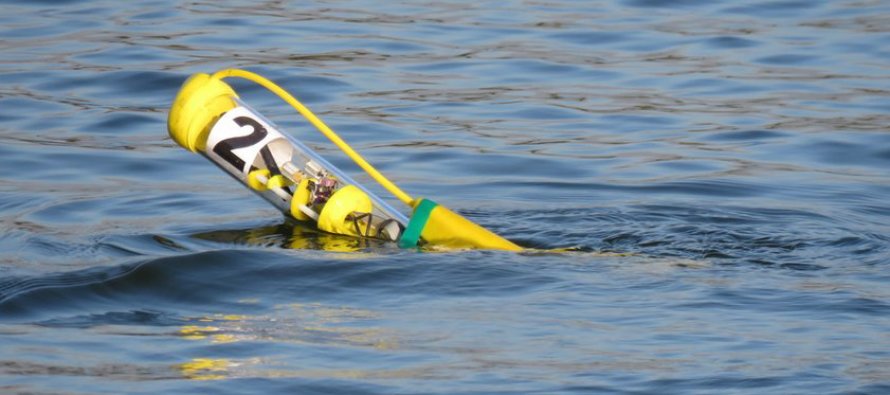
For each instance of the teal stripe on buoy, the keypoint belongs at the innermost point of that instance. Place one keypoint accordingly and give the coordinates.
(421, 215)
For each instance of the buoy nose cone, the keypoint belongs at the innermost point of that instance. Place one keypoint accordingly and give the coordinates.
(441, 227)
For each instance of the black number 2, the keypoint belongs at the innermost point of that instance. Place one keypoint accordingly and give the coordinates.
(224, 148)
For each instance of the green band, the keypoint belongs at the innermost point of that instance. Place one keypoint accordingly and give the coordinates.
(411, 235)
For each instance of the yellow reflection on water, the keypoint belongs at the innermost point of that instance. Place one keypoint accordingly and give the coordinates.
(194, 332)
(205, 369)
(294, 323)
(293, 235)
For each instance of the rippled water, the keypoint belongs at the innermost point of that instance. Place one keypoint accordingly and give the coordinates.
(720, 167)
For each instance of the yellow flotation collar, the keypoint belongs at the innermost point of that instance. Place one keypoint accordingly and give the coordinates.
(334, 217)
(201, 100)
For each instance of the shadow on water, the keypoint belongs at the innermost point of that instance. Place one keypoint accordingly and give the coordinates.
(224, 278)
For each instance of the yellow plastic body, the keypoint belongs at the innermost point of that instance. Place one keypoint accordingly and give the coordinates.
(445, 228)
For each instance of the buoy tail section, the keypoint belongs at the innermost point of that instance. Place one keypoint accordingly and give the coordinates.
(435, 225)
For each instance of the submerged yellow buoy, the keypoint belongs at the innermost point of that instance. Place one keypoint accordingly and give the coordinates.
(208, 117)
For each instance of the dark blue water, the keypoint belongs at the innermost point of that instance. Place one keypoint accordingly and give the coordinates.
(720, 169)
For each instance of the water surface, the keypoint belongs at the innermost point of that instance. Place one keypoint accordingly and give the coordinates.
(718, 167)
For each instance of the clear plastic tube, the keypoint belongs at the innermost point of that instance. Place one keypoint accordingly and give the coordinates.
(295, 179)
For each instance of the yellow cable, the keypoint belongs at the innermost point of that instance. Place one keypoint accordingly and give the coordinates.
(324, 129)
